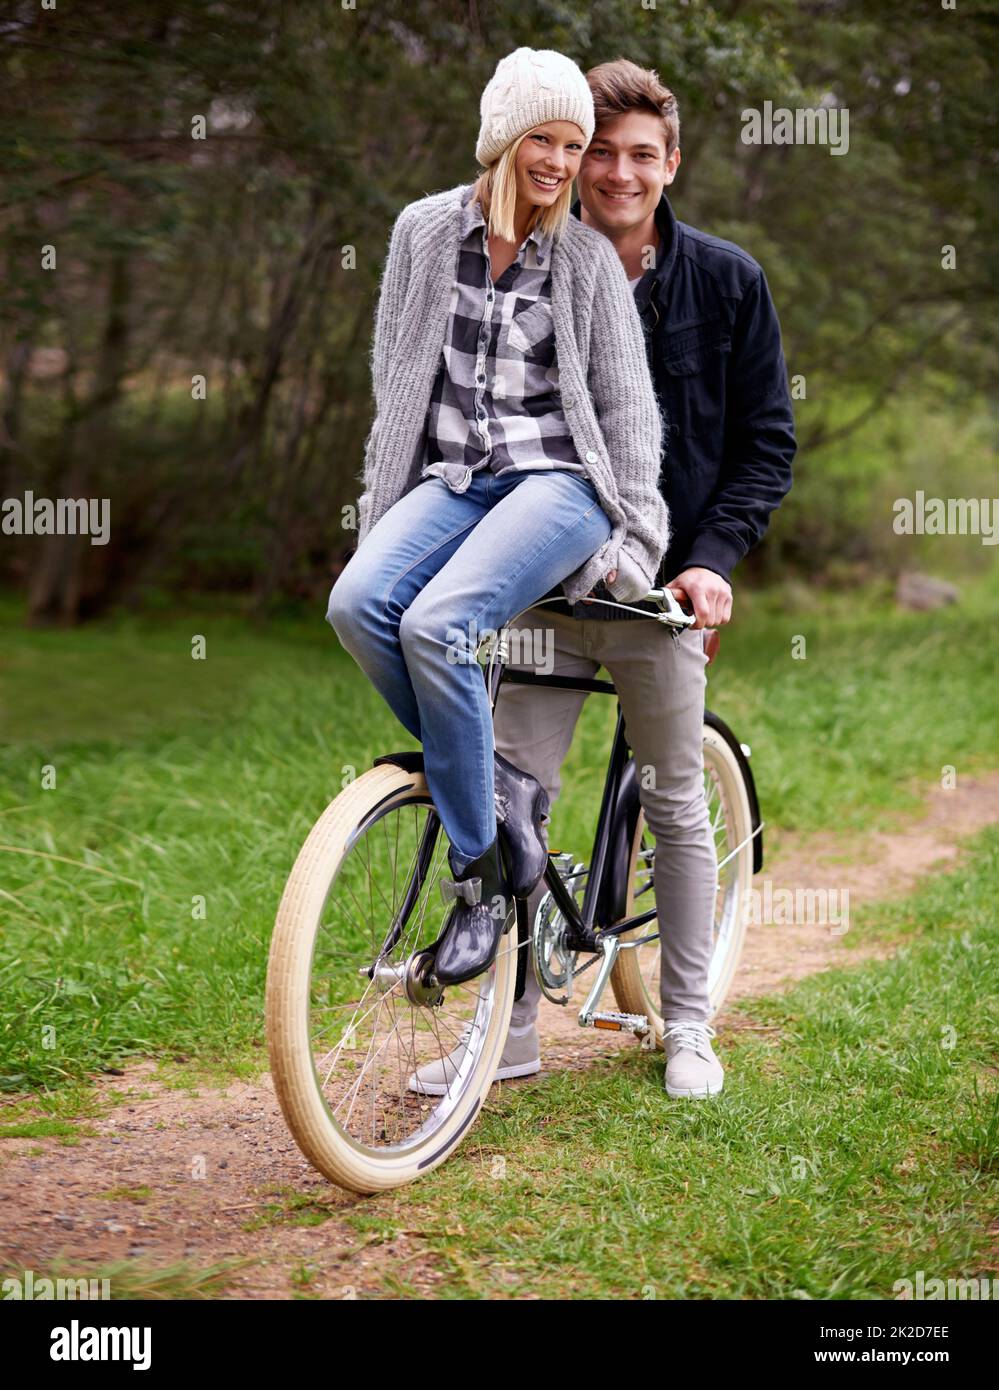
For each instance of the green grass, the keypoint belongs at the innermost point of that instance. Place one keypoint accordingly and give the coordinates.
(41, 1129)
(151, 805)
(856, 1142)
(126, 1194)
(131, 1279)
(291, 1208)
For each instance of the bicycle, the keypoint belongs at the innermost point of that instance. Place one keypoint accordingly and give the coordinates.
(352, 1005)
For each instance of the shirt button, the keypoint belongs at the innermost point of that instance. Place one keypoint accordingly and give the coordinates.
(569, 401)
(591, 456)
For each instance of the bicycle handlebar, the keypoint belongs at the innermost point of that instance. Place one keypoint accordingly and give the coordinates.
(671, 611)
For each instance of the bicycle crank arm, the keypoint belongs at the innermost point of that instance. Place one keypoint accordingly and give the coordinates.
(590, 1016)
(609, 949)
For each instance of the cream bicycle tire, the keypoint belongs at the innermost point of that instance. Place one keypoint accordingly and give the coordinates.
(630, 989)
(323, 1142)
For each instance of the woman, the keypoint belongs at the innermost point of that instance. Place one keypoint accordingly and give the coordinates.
(515, 446)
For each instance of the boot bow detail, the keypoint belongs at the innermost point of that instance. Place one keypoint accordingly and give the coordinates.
(468, 889)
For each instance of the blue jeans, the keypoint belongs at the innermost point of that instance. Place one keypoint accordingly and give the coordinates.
(436, 571)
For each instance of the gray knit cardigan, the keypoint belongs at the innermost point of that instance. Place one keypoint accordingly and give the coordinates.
(607, 393)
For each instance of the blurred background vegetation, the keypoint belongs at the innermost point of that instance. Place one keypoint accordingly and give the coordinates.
(251, 257)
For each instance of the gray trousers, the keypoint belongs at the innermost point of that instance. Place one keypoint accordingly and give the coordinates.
(660, 685)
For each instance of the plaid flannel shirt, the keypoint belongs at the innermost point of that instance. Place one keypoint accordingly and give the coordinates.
(495, 401)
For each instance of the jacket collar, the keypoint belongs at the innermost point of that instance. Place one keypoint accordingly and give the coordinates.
(669, 239)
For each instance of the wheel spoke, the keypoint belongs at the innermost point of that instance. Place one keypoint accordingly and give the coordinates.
(374, 1020)
(639, 969)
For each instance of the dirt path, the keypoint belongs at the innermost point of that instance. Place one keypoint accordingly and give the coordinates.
(870, 867)
(190, 1171)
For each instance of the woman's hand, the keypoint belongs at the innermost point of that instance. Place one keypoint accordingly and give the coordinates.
(608, 579)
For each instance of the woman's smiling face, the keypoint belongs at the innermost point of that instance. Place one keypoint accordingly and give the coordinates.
(547, 161)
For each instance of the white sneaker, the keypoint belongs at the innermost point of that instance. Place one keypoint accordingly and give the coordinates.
(692, 1069)
(521, 1057)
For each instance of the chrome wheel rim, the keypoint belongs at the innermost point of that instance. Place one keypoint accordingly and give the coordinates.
(368, 1033)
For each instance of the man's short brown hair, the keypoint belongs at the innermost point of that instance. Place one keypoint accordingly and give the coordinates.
(622, 86)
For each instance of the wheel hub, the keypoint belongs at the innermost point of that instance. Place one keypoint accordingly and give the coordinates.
(422, 988)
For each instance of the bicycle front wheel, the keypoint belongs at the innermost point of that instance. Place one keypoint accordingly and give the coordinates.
(635, 977)
(352, 1008)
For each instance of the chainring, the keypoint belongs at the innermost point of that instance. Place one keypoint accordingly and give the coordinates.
(554, 963)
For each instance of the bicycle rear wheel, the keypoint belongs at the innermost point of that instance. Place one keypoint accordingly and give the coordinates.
(635, 978)
(351, 1009)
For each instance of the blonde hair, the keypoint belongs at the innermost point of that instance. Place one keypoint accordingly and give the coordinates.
(496, 191)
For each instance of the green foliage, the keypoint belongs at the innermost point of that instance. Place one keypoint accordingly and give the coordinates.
(838, 519)
(228, 258)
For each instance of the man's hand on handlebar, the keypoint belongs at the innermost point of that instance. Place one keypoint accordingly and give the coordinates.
(706, 593)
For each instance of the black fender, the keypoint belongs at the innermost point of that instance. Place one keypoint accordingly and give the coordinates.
(409, 762)
(719, 725)
(610, 906)
(613, 899)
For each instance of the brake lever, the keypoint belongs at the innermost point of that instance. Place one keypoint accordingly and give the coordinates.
(676, 616)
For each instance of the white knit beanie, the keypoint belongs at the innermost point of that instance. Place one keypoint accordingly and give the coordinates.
(531, 86)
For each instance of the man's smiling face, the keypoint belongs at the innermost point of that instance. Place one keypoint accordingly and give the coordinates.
(625, 169)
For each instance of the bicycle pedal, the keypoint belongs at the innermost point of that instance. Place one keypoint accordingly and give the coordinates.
(620, 1023)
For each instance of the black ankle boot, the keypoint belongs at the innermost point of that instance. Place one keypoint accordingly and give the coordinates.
(522, 806)
(472, 932)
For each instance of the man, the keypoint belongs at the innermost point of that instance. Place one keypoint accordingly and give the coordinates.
(714, 349)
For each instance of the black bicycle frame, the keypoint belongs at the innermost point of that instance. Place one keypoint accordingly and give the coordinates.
(607, 876)
(604, 890)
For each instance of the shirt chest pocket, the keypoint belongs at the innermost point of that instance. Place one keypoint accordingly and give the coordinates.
(531, 333)
(694, 367)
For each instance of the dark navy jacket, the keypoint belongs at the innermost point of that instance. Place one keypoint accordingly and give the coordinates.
(714, 350)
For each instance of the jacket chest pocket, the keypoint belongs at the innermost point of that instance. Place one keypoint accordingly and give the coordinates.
(528, 334)
(693, 364)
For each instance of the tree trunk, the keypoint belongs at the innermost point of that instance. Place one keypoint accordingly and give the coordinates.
(56, 588)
